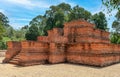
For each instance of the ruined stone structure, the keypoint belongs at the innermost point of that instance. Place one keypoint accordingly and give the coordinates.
(78, 42)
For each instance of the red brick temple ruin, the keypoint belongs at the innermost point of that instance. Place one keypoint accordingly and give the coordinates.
(78, 42)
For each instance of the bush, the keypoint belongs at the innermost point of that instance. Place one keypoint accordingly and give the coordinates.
(3, 45)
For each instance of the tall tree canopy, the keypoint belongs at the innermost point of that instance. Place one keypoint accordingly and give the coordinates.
(116, 23)
(4, 20)
(3, 23)
(99, 20)
(79, 12)
(57, 15)
(115, 37)
(32, 33)
(40, 22)
(1, 30)
(112, 4)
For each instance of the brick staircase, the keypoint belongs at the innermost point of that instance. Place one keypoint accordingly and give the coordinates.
(15, 60)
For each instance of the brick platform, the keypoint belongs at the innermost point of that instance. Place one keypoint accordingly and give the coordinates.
(78, 42)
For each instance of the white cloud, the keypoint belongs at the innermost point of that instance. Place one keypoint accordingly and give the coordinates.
(4, 12)
(22, 19)
(1, 10)
(23, 2)
(30, 4)
(39, 4)
(69, 2)
(105, 11)
(17, 25)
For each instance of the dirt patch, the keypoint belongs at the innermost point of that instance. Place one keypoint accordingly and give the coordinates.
(58, 70)
(2, 53)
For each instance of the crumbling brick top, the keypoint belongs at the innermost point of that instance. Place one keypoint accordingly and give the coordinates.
(78, 23)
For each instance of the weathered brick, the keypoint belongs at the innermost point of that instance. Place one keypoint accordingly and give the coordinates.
(78, 42)
(105, 34)
(78, 23)
(57, 53)
(96, 60)
(43, 39)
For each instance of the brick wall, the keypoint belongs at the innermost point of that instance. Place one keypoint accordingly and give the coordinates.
(78, 42)
(43, 39)
(33, 53)
(57, 53)
(96, 60)
(98, 54)
(13, 49)
(78, 23)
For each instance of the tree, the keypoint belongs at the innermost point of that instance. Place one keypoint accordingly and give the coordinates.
(111, 4)
(116, 26)
(32, 33)
(40, 22)
(2, 30)
(25, 27)
(99, 20)
(3, 23)
(56, 16)
(4, 20)
(115, 38)
(79, 13)
(9, 32)
(116, 23)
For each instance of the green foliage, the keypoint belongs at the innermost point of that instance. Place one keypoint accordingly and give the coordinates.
(7, 33)
(116, 26)
(3, 42)
(25, 27)
(40, 22)
(4, 20)
(118, 15)
(79, 13)
(111, 4)
(3, 23)
(116, 23)
(3, 45)
(57, 15)
(100, 21)
(32, 33)
(2, 30)
(115, 38)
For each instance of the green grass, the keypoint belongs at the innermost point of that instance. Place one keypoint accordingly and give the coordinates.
(5, 39)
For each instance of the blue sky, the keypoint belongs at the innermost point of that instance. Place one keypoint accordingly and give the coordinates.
(20, 12)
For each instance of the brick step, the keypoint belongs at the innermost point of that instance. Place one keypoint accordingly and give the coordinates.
(15, 59)
(33, 63)
(13, 62)
(17, 56)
